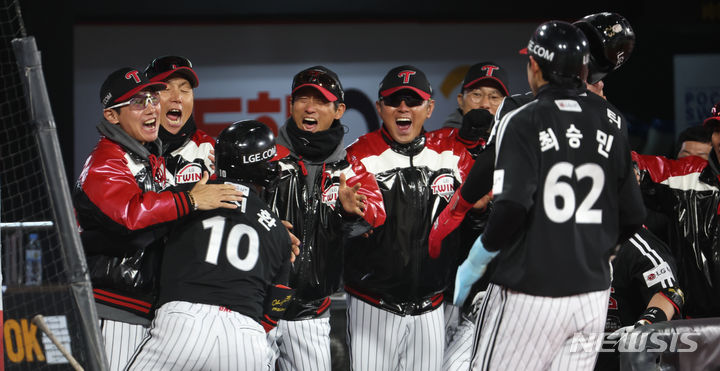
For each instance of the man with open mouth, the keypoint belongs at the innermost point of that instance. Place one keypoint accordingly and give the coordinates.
(395, 312)
(186, 149)
(321, 196)
(124, 205)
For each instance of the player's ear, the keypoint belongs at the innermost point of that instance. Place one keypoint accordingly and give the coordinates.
(533, 64)
(377, 106)
(430, 107)
(460, 100)
(111, 115)
(340, 111)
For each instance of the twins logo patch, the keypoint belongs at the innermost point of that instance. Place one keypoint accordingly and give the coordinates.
(444, 185)
(655, 275)
(330, 195)
(190, 173)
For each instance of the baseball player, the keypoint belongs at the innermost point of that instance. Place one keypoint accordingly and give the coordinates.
(321, 196)
(644, 290)
(224, 274)
(608, 51)
(185, 151)
(186, 148)
(395, 292)
(565, 196)
(123, 206)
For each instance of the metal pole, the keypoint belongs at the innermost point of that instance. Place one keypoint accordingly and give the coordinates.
(30, 66)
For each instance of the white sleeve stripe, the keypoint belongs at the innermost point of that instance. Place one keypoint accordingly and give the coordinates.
(650, 254)
(503, 124)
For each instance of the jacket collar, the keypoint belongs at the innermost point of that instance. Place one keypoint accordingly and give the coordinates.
(130, 144)
(407, 149)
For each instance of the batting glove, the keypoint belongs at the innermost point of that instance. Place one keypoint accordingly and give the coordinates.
(471, 270)
(448, 220)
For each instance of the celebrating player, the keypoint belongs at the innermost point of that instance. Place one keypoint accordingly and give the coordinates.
(122, 213)
(608, 51)
(395, 316)
(186, 148)
(319, 194)
(565, 196)
(224, 274)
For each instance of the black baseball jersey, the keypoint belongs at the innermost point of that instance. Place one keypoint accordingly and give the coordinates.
(561, 159)
(227, 257)
(643, 266)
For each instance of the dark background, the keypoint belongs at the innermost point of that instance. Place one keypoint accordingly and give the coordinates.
(642, 88)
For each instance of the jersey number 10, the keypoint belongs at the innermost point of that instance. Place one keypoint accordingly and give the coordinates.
(556, 188)
(216, 225)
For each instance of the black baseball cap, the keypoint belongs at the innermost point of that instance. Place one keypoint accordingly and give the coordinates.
(405, 77)
(122, 84)
(486, 74)
(322, 79)
(713, 122)
(163, 68)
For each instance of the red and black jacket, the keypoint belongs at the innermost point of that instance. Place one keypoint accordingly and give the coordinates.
(687, 191)
(186, 155)
(391, 268)
(123, 215)
(307, 196)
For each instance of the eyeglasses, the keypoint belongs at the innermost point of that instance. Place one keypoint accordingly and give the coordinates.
(140, 102)
(319, 78)
(395, 100)
(164, 64)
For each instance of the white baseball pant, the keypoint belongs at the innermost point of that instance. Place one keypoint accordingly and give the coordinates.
(383, 341)
(460, 332)
(519, 331)
(304, 345)
(190, 336)
(121, 339)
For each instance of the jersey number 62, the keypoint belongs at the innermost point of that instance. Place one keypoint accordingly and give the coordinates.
(556, 188)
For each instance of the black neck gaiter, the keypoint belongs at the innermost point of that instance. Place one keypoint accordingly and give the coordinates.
(315, 146)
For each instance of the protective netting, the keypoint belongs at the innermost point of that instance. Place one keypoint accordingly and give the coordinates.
(36, 277)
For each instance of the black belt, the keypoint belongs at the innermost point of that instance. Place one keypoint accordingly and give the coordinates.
(304, 310)
(405, 308)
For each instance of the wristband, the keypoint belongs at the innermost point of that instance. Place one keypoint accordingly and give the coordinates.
(651, 315)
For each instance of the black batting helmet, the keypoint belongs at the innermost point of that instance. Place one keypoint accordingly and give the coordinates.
(611, 42)
(560, 49)
(246, 151)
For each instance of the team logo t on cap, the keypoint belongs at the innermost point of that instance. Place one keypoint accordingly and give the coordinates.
(405, 77)
(163, 68)
(322, 79)
(123, 84)
(486, 74)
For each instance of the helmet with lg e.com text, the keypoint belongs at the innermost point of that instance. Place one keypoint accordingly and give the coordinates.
(560, 49)
(246, 151)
